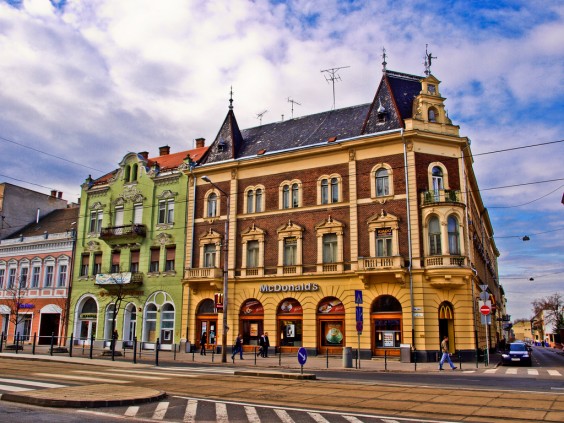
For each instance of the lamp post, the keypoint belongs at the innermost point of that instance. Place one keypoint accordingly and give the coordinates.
(225, 271)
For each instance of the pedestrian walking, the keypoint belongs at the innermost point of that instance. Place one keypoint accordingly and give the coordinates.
(203, 342)
(265, 343)
(238, 347)
(446, 354)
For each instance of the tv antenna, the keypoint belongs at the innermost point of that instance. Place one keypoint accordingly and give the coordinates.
(332, 76)
(260, 115)
(290, 100)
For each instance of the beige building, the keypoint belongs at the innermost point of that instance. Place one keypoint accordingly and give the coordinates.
(367, 214)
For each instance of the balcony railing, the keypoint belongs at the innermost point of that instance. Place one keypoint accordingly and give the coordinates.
(117, 234)
(368, 264)
(441, 196)
(205, 273)
(445, 261)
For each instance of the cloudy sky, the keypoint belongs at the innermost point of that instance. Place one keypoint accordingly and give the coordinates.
(84, 82)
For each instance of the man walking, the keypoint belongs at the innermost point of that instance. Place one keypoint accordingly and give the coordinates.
(238, 348)
(203, 342)
(446, 355)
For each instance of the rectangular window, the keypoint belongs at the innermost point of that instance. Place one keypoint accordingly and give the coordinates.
(166, 211)
(84, 265)
(295, 196)
(286, 197)
(170, 258)
(134, 262)
(384, 242)
(290, 251)
(118, 218)
(2, 274)
(258, 201)
(49, 271)
(23, 277)
(35, 274)
(62, 281)
(138, 214)
(154, 264)
(96, 221)
(209, 255)
(252, 254)
(435, 244)
(116, 256)
(97, 264)
(324, 192)
(330, 248)
(12, 278)
(334, 190)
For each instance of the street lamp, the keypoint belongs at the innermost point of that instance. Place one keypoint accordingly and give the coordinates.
(225, 271)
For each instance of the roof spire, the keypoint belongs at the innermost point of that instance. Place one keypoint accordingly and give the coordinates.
(384, 63)
(428, 59)
(231, 98)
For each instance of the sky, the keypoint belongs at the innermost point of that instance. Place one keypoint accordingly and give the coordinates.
(82, 83)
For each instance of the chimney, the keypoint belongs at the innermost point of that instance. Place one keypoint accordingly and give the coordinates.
(54, 193)
(164, 150)
(144, 154)
(60, 195)
(200, 142)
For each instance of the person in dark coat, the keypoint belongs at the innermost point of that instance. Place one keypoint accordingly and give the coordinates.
(265, 343)
(203, 342)
(238, 347)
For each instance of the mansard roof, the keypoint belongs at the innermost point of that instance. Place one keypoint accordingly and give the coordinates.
(57, 221)
(394, 98)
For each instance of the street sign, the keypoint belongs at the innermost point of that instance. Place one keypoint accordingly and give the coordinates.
(359, 314)
(359, 327)
(358, 296)
(484, 287)
(485, 309)
(302, 356)
(484, 296)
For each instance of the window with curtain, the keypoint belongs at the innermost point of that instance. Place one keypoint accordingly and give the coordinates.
(134, 261)
(329, 248)
(23, 277)
(212, 205)
(453, 236)
(286, 197)
(96, 221)
(115, 262)
(250, 201)
(154, 263)
(295, 195)
(35, 274)
(170, 258)
(434, 237)
(383, 242)
(62, 279)
(334, 190)
(290, 251)
(382, 183)
(118, 217)
(252, 254)
(97, 264)
(166, 211)
(137, 213)
(209, 255)
(324, 191)
(11, 278)
(49, 274)
(84, 264)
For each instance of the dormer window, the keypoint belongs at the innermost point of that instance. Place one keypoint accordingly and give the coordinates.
(381, 113)
(221, 146)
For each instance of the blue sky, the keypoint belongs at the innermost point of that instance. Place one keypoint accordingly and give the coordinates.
(90, 81)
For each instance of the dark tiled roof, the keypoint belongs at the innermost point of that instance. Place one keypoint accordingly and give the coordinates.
(395, 94)
(58, 221)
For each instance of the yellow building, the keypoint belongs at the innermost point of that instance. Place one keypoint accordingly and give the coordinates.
(369, 213)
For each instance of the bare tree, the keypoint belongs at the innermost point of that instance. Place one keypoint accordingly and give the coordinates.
(553, 307)
(16, 300)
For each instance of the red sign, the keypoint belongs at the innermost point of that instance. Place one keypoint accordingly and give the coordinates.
(485, 310)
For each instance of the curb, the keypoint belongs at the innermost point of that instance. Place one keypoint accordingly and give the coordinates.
(278, 375)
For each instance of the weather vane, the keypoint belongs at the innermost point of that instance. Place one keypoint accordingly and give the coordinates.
(231, 98)
(428, 59)
(384, 63)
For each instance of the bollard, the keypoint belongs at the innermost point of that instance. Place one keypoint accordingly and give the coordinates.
(91, 345)
(52, 342)
(33, 346)
(459, 360)
(193, 352)
(415, 359)
(157, 346)
(255, 354)
(174, 356)
(134, 350)
(1, 341)
(279, 356)
(70, 345)
(327, 357)
(17, 342)
(213, 353)
(386, 360)
(477, 356)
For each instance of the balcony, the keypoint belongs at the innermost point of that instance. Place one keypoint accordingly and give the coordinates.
(123, 235)
(381, 268)
(441, 196)
(447, 272)
(121, 278)
(445, 261)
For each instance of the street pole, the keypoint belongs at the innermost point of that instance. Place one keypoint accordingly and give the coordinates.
(225, 269)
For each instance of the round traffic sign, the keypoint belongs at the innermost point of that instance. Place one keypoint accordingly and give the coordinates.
(485, 310)
(302, 356)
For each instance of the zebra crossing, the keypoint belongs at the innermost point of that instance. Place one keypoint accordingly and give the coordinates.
(522, 371)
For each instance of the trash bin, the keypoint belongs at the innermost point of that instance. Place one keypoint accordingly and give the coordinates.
(347, 357)
(405, 353)
(187, 347)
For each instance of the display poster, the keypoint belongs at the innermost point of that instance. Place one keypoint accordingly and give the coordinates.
(290, 331)
(290, 306)
(331, 306)
(254, 329)
(252, 307)
(333, 333)
(388, 339)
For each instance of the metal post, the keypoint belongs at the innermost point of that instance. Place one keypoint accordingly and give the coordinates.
(157, 346)
(255, 354)
(174, 355)
(327, 357)
(33, 346)
(134, 350)
(17, 342)
(1, 341)
(213, 353)
(70, 345)
(459, 360)
(386, 360)
(52, 342)
(415, 358)
(487, 356)
(91, 345)
(279, 356)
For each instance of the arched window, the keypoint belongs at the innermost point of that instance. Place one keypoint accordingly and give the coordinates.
(250, 200)
(328, 189)
(258, 200)
(434, 236)
(289, 194)
(453, 236)
(150, 329)
(286, 197)
(334, 190)
(134, 170)
(295, 195)
(127, 173)
(110, 321)
(432, 115)
(382, 183)
(386, 304)
(212, 205)
(324, 191)
(437, 175)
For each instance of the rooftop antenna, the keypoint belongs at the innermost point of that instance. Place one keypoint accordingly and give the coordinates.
(332, 76)
(384, 63)
(231, 98)
(260, 115)
(290, 100)
(428, 59)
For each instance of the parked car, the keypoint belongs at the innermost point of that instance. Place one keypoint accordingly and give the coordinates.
(517, 353)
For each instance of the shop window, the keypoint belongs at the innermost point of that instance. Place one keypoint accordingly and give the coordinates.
(251, 318)
(290, 324)
(167, 323)
(150, 325)
(330, 315)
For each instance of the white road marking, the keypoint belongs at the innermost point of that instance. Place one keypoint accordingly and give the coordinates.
(160, 411)
(283, 415)
(389, 421)
(554, 373)
(252, 415)
(490, 371)
(352, 419)
(221, 413)
(82, 378)
(14, 388)
(33, 383)
(132, 375)
(131, 411)
(190, 413)
(197, 370)
(533, 372)
(511, 372)
(318, 418)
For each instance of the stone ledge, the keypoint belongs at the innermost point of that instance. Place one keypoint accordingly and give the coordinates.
(278, 375)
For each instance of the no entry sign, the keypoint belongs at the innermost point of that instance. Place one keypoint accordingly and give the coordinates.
(485, 309)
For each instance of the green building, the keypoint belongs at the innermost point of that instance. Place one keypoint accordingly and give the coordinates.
(129, 259)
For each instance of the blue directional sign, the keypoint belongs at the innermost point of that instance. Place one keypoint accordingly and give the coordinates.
(359, 314)
(302, 356)
(358, 296)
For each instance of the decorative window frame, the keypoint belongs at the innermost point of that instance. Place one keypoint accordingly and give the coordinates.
(62, 260)
(446, 184)
(281, 194)
(218, 205)
(339, 188)
(379, 221)
(288, 230)
(49, 261)
(166, 196)
(246, 199)
(330, 226)
(253, 234)
(443, 213)
(211, 237)
(373, 193)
